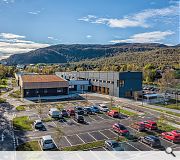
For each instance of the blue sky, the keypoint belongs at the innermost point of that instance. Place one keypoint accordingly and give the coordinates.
(30, 24)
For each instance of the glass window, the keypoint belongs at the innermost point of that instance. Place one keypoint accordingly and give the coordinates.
(59, 90)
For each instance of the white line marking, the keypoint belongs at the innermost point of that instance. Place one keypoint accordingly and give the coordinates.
(92, 136)
(103, 134)
(100, 117)
(104, 148)
(133, 146)
(92, 118)
(146, 145)
(2, 137)
(113, 132)
(80, 138)
(17, 141)
(68, 140)
(40, 145)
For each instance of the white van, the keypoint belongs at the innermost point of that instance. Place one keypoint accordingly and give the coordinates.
(54, 113)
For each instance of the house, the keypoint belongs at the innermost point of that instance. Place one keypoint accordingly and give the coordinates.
(42, 85)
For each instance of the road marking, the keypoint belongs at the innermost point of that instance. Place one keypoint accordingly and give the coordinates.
(100, 117)
(68, 140)
(146, 145)
(92, 136)
(92, 118)
(40, 145)
(17, 141)
(80, 138)
(103, 134)
(104, 148)
(133, 146)
(113, 132)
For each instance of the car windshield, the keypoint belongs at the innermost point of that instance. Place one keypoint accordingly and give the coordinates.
(64, 111)
(115, 112)
(48, 141)
(154, 124)
(122, 127)
(156, 140)
(104, 107)
(115, 144)
(38, 123)
(178, 131)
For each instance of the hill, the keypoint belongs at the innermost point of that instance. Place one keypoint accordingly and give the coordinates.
(77, 52)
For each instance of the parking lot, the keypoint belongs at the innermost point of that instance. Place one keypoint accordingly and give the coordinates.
(96, 128)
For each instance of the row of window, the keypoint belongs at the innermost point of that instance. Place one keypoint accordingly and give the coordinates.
(59, 90)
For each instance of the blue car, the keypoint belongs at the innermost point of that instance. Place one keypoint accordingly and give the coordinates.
(95, 109)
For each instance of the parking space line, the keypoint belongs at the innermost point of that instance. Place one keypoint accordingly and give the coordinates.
(80, 138)
(68, 140)
(103, 134)
(146, 145)
(100, 117)
(92, 136)
(92, 118)
(40, 145)
(104, 148)
(133, 146)
(113, 132)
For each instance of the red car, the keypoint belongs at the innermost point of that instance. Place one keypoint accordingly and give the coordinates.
(113, 113)
(150, 125)
(173, 136)
(71, 112)
(119, 128)
(140, 126)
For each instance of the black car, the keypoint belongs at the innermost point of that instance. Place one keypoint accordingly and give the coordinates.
(64, 113)
(79, 118)
(79, 110)
(151, 140)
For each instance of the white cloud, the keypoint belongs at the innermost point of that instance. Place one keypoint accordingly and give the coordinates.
(147, 37)
(136, 20)
(34, 12)
(11, 44)
(11, 36)
(7, 1)
(88, 36)
(52, 38)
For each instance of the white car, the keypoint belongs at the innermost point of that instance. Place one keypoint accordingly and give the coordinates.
(54, 113)
(103, 108)
(47, 142)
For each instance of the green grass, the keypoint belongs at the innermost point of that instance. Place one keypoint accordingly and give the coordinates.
(123, 111)
(22, 123)
(3, 83)
(29, 146)
(15, 94)
(20, 108)
(165, 127)
(48, 119)
(163, 111)
(86, 146)
(2, 100)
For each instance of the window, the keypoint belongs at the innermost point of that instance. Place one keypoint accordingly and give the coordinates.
(59, 90)
(45, 91)
(121, 83)
(37, 91)
(104, 81)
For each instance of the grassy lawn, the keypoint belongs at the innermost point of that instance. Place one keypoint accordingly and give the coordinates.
(3, 83)
(165, 127)
(84, 146)
(22, 123)
(29, 146)
(20, 108)
(163, 111)
(15, 94)
(2, 100)
(123, 111)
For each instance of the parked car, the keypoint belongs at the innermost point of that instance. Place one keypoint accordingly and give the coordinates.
(38, 124)
(151, 140)
(103, 108)
(113, 145)
(88, 110)
(113, 113)
(79, 118)
(95, 109)
(47, 142)
(121, 129)
(64, 113)
(140, 126)
(79, 110)
(173, 136)
(150, 125)
(71, 112)
(54, 113)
